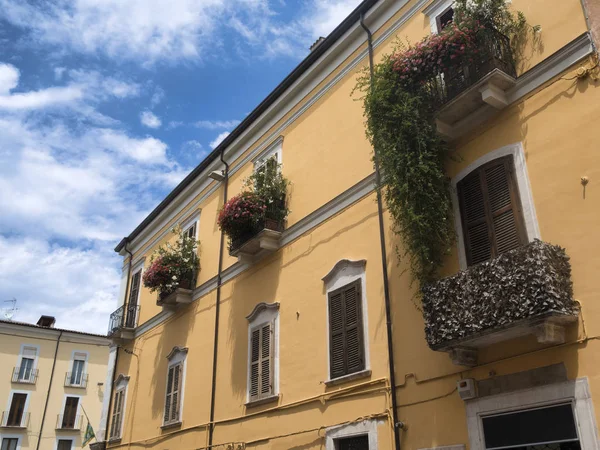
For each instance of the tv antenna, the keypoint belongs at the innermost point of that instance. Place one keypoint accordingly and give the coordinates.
(9, 308)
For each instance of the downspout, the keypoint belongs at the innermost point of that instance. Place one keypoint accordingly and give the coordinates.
(384, 266)
(112, 383)
(37, 446)
(217, 309)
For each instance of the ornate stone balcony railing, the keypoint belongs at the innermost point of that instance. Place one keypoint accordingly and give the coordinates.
(525, 291)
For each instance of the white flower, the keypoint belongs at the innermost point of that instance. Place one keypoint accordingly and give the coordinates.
(174, 277)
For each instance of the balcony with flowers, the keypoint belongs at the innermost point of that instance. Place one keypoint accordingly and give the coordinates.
(255, 219)
(173, 271)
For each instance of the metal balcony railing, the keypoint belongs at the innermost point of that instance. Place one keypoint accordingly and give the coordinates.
(272, 220)
(124, 317)
(24, 375)
(69, 422)
(493, 52)
(14, 420)
(76, 380)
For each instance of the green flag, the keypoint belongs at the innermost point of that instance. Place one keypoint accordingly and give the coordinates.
(89, 435)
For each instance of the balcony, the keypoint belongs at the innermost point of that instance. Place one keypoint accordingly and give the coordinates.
(14, 420)
(526, 291)
(182, 295)
(76, 380)
(24, 375)
(462, 93)
(259, 236)
(68, 422)
(123, 322)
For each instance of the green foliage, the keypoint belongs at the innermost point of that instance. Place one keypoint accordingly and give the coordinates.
(268, 183)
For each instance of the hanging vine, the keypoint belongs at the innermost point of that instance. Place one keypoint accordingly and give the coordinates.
(400, 112)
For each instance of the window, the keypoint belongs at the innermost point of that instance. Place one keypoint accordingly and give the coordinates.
(69, 417)
(134, 293)
(440, 14)
(190, 232)
(16, 410)
(360, 435)
(345, 330)
(64, 444)
(445, 18)
(77, 375)
(9, 444)
(490, 209)
(263, 342)
(117, 415)
(353, 443)
(174, 386)
(26, 370)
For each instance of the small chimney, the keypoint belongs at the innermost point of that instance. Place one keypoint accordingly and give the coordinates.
(317, 43)
(46, 321)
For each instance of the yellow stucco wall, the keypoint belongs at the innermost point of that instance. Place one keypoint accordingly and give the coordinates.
(325, 152)
(91, 398)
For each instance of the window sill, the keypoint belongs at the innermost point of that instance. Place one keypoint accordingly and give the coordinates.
(353, 376)
(262, 401)
(168, 426)
(115, 440)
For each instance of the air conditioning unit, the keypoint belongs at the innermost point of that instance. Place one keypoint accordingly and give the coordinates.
(467, 388)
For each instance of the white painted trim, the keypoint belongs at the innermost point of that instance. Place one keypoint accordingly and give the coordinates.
(35, 359)
(122, 385)
(524, 186)
(365, 427)
(108, 391)
(576, 391)
(86, 356)
(274, 149)
(177, 356)
(190, 221)
(9, 401)
(343, 275)
(73, 439)
(19, 438)
(434, 10)
(78, 412)
(265, 316)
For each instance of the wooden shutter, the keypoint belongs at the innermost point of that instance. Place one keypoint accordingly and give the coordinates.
(491, 211)
(346, 343)
(17, 408)
(173, 394)
(261, 362)
(135, 288)
(115, 427)
(70, 412)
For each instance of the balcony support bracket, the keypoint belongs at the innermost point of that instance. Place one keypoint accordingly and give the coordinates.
(464, 356)
(493, 95)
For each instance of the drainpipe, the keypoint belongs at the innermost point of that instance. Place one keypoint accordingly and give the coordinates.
(386, 289)
(217, 309)
(112, 383)
(37, 445)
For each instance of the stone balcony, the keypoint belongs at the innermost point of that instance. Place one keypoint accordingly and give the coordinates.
(527, 291)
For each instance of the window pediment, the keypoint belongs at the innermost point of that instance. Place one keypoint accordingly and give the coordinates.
(177, 351)
(258, 309)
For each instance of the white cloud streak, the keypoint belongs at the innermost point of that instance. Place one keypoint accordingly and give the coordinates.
(150, 120)
(216, 124)
(216, 141)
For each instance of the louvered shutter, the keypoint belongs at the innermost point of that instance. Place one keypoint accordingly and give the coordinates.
(346, 352)
(490, 211)
(135, 288)
(175, 393)
(115, 426)
(261, 362)
(169, 394)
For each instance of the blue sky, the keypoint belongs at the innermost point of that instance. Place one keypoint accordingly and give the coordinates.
(105, 105)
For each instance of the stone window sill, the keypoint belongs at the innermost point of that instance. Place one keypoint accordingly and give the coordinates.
(116, 440)
(168, 426)
(262, 401)
(353, 376)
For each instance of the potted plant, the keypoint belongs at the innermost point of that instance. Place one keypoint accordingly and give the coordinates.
(173, 267)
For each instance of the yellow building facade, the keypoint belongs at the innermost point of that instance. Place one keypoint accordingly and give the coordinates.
(530, 383)
(54, 382)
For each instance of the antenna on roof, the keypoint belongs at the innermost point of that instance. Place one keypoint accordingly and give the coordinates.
(9, 310)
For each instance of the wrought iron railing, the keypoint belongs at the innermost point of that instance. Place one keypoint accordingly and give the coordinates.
(69, 422)
(272, 220)
(24, 375)
(14, 420)
(76, 379)
(124, 317)
(493, 52)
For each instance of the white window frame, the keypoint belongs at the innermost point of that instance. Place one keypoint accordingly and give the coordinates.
(574, 391)
(261, 315)
(18, 437)
(121, 385)
(366, 427)
(65, 438)
(178, 355)
(343, 273)
(78, 412)
(192, 220)
(9, 402)
(35, 360)
(435, 10)
(274, 149)
(138, 267)
(525, 195)
(86, 356)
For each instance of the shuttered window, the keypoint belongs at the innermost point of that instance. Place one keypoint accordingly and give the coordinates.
(491, 211)
(261, 362)
(116, 421)
(135, 288)
(173, 395)
(346, 344)
(17, 410)
(69, 418)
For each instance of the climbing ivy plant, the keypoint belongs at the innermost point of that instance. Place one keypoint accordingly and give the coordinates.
(400, 123)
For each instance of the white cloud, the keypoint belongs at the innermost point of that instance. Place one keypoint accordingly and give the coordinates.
(325, 15)
(174, 124)
(157, 97)
(149, 119)
(216, 141)
(9, 78)
(217, 124)
(58, 72)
